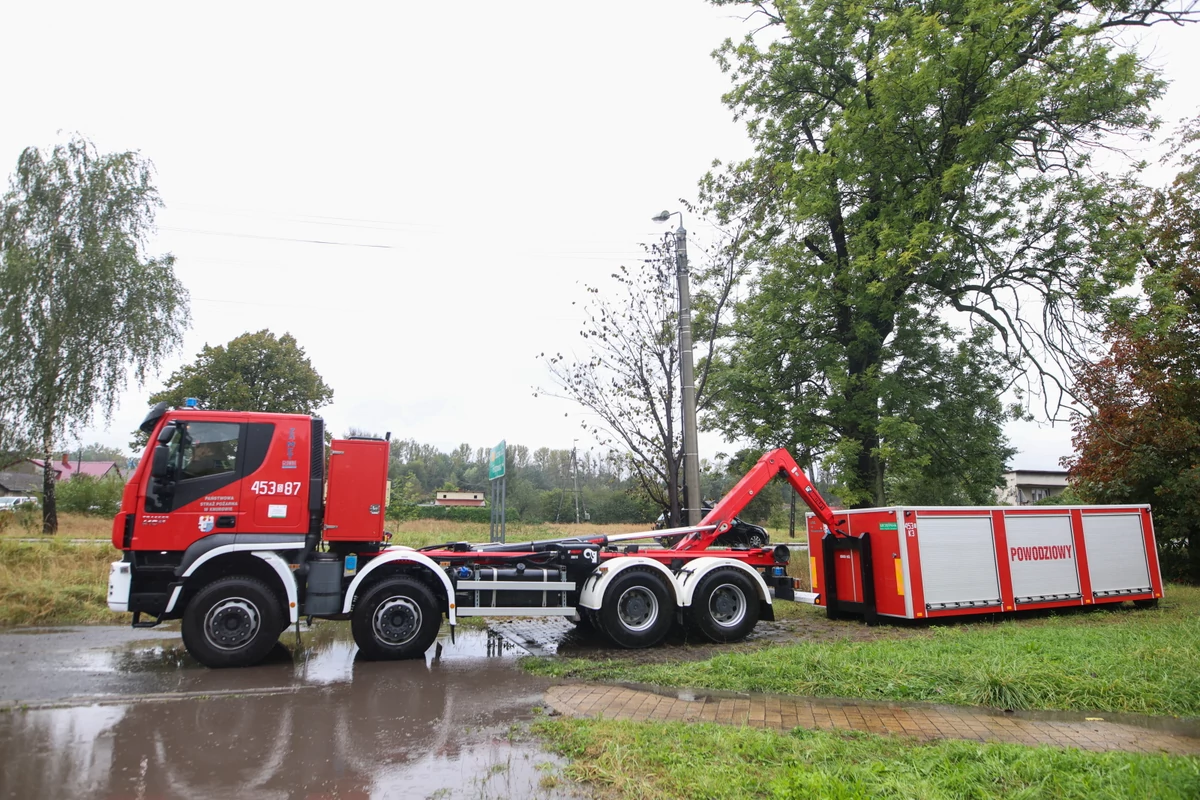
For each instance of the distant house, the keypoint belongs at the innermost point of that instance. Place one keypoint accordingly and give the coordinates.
(459, 499)
(1023, 487)
(64, 469)
(20, 484)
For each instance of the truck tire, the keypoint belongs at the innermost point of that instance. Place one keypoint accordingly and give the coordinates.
(724, 607)
(396, 618)
(637, 610)
(232, 622)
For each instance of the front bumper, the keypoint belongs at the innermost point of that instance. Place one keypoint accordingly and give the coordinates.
(120, 578)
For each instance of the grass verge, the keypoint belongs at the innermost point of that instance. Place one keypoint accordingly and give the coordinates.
(27, 524)
(55, 583)
(678, 760)
(1124, 660)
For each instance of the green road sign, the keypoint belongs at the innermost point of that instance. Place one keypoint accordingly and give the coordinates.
(496, 465)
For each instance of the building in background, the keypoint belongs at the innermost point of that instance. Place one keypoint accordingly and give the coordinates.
(24, 477)
(1023, 487)
(474, 499)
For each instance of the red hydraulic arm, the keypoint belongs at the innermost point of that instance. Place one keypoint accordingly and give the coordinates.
(770, 465)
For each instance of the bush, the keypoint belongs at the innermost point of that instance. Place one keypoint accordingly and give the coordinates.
(457, 513)
(84, 494)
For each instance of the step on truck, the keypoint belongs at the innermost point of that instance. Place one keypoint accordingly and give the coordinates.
(238, 524)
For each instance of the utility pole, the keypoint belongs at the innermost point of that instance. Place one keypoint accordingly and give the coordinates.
(687, 378)
(575, 473)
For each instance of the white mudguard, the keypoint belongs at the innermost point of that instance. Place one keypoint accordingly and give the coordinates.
(592, 594)
(396, 554)
(273, 559)
(694, 571)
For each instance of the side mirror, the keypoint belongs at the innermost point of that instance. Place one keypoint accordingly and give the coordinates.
(166, 434)
(158, 467)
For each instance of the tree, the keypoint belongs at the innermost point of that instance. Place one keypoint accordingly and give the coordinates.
(925, 163)
(254, 372)
(99, 452)
(82, 301)
(1141, 443)
(630, 380)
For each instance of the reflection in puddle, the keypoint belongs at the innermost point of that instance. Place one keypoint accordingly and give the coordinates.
(341, 727)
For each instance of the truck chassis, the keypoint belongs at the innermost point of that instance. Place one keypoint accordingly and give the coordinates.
(235, 592)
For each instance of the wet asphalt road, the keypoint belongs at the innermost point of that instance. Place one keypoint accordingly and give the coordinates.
(102, 712)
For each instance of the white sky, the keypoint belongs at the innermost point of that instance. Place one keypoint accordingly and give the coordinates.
(495, 157)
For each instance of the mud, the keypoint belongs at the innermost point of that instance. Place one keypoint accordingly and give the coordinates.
(142, 720)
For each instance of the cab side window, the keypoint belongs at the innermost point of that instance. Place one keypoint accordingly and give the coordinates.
(202, 458)
(209, 448)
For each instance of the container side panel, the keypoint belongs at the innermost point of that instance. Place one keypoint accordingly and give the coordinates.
(1042, 558)
(1116, 550)
(1081, 556)
(958, 562)
(1000, 532)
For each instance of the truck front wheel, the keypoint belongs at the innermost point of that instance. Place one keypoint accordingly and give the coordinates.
(232, 622)
(637, 609)
(396, 618)
(725, 606)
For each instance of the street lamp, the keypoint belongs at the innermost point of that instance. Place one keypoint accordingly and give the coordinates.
(687, 378)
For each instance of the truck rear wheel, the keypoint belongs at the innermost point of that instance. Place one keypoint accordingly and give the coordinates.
(232, 622)
(397, 618)
(725, 606)
(637, 609)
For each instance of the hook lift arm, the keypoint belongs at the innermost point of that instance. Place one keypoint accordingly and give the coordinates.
(771, 464)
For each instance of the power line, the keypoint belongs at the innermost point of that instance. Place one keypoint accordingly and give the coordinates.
(277, 238)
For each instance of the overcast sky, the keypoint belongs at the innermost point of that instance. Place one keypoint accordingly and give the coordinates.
(417, 192)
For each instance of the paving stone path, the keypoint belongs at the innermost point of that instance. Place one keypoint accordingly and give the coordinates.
(919, 721)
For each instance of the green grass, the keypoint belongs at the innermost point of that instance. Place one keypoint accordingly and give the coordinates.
(1124, 660)
(679, 760)
(55, 583)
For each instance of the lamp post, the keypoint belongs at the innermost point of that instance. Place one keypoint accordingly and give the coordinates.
(687, 378)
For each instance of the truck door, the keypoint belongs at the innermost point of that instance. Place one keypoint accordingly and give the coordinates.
(202, 494)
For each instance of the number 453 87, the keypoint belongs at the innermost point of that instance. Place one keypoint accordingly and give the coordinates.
(288, 488)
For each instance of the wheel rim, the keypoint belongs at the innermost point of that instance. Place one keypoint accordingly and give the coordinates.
(232, 623)
(637, 608)
(396, 621)
(727, 605)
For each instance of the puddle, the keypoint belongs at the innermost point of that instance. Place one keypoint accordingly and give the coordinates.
(314, 721)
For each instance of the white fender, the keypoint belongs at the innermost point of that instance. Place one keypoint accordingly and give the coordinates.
(277, 563)
(593, 588)
(694, 571)
(399, 553)
(284, 571)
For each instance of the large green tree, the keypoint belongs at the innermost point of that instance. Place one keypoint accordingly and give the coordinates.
(83, 304)
(925, 163)
(253, 372)
(1140, 443)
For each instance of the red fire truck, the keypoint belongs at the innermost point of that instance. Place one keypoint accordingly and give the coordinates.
(235, 523)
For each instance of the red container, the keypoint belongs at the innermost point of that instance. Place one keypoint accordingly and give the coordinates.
(923, 562)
